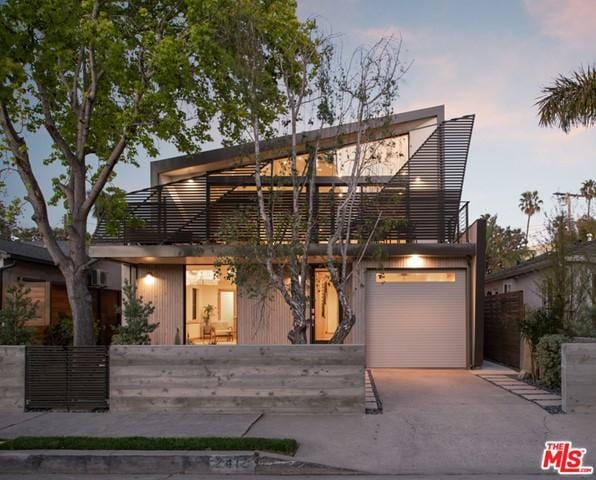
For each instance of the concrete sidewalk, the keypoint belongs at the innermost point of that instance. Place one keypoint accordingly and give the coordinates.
(124, 424)
(434, 422)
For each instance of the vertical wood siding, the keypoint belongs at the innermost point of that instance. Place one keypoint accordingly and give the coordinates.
(167, 294)
(263, 324)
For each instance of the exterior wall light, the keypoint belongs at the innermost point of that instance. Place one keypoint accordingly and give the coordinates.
(415, 261)
(149, 279)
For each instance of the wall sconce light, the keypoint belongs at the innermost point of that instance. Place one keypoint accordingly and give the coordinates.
(149, 279)
(415, 261)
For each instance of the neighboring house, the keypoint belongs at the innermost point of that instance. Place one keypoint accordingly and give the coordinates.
(32, 266)
(529, 276)
(523, 288)
(422, 307)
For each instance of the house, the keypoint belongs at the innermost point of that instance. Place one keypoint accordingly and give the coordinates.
(523, 288)
(33, 266)
(529, 276)
(421, 307)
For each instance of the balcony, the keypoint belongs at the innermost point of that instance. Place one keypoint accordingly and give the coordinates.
(422, 202)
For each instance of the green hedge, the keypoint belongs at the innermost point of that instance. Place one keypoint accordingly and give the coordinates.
(548, 359)
(286, 446)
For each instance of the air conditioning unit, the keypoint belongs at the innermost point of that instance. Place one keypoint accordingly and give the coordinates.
(97, 278)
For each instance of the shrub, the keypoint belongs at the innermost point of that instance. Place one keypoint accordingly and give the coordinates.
(60, 333)
(18, 310)
(136, 313)
(548, 358)
(534, 326)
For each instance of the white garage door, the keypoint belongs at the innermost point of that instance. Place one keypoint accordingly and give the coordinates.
(416, 319)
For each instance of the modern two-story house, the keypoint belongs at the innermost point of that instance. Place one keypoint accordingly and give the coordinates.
(420, 307)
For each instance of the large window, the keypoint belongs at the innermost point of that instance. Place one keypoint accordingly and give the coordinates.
(211, 316)
(380, 158)
(414, 277)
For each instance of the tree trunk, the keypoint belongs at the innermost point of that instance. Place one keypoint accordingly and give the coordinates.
(348, 319)
(528, 228)
(297, 335)
(81, 303)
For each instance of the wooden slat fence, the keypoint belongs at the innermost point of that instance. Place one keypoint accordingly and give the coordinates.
(502, 314)
(66, 378)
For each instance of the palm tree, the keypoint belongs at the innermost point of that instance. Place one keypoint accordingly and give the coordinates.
(570, 101)
(588, 191)
(529, 203)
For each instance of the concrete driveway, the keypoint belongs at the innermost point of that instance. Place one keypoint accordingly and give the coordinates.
(435, 422)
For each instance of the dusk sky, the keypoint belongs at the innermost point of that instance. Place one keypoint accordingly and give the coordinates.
(486, 57)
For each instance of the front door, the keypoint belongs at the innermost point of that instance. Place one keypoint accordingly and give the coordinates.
(326, 307)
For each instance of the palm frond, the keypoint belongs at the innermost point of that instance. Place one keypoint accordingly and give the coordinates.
(570, 101)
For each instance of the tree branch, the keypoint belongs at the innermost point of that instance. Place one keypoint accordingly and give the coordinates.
(35, 196)
(50, 125)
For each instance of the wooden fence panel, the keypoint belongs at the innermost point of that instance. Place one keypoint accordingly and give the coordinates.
(66, 378)
(502, 340)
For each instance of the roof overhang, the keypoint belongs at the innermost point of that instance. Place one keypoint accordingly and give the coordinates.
(221, 158)
(207, 254)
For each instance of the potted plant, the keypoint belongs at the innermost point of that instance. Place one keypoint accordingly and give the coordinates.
(208, 330)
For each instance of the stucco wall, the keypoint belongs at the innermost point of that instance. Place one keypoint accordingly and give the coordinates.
(237, 379)
(578, 377)
(528, 283)
(12, 378)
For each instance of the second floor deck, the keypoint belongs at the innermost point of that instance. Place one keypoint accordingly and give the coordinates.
(421, 202)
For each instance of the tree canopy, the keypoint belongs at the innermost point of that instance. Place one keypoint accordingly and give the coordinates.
(108, 80)
(505, 246)
(570, 101)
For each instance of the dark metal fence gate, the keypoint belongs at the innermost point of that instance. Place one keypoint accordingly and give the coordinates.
(67, 378)
(502, 314)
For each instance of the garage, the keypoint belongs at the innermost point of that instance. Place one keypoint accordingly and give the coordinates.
(416, 318)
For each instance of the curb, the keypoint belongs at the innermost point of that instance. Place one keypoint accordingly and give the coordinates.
(100, 462)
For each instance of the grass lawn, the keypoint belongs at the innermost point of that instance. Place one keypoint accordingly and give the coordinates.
(285, 446)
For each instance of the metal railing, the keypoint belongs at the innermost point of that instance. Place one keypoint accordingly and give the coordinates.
(423, 198)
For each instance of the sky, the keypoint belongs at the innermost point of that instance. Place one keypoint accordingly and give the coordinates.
(486, 57)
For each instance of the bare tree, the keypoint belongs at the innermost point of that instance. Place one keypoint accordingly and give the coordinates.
(283, 236)
(364, 91)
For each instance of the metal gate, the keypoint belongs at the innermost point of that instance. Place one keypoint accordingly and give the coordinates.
(502, 314)
(67, 378)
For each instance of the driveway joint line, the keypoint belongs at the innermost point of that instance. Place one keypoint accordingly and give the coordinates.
(259, 416)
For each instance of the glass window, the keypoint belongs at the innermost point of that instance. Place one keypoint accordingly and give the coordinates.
(414, 277)
(283, 167)
(381, 158)
(326, 303)
(211, 316)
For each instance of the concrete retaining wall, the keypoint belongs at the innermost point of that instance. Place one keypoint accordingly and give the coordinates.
(237, 379)
(12, 378)
(578, 377)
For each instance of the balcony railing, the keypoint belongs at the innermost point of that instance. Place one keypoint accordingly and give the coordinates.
(423, 201)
